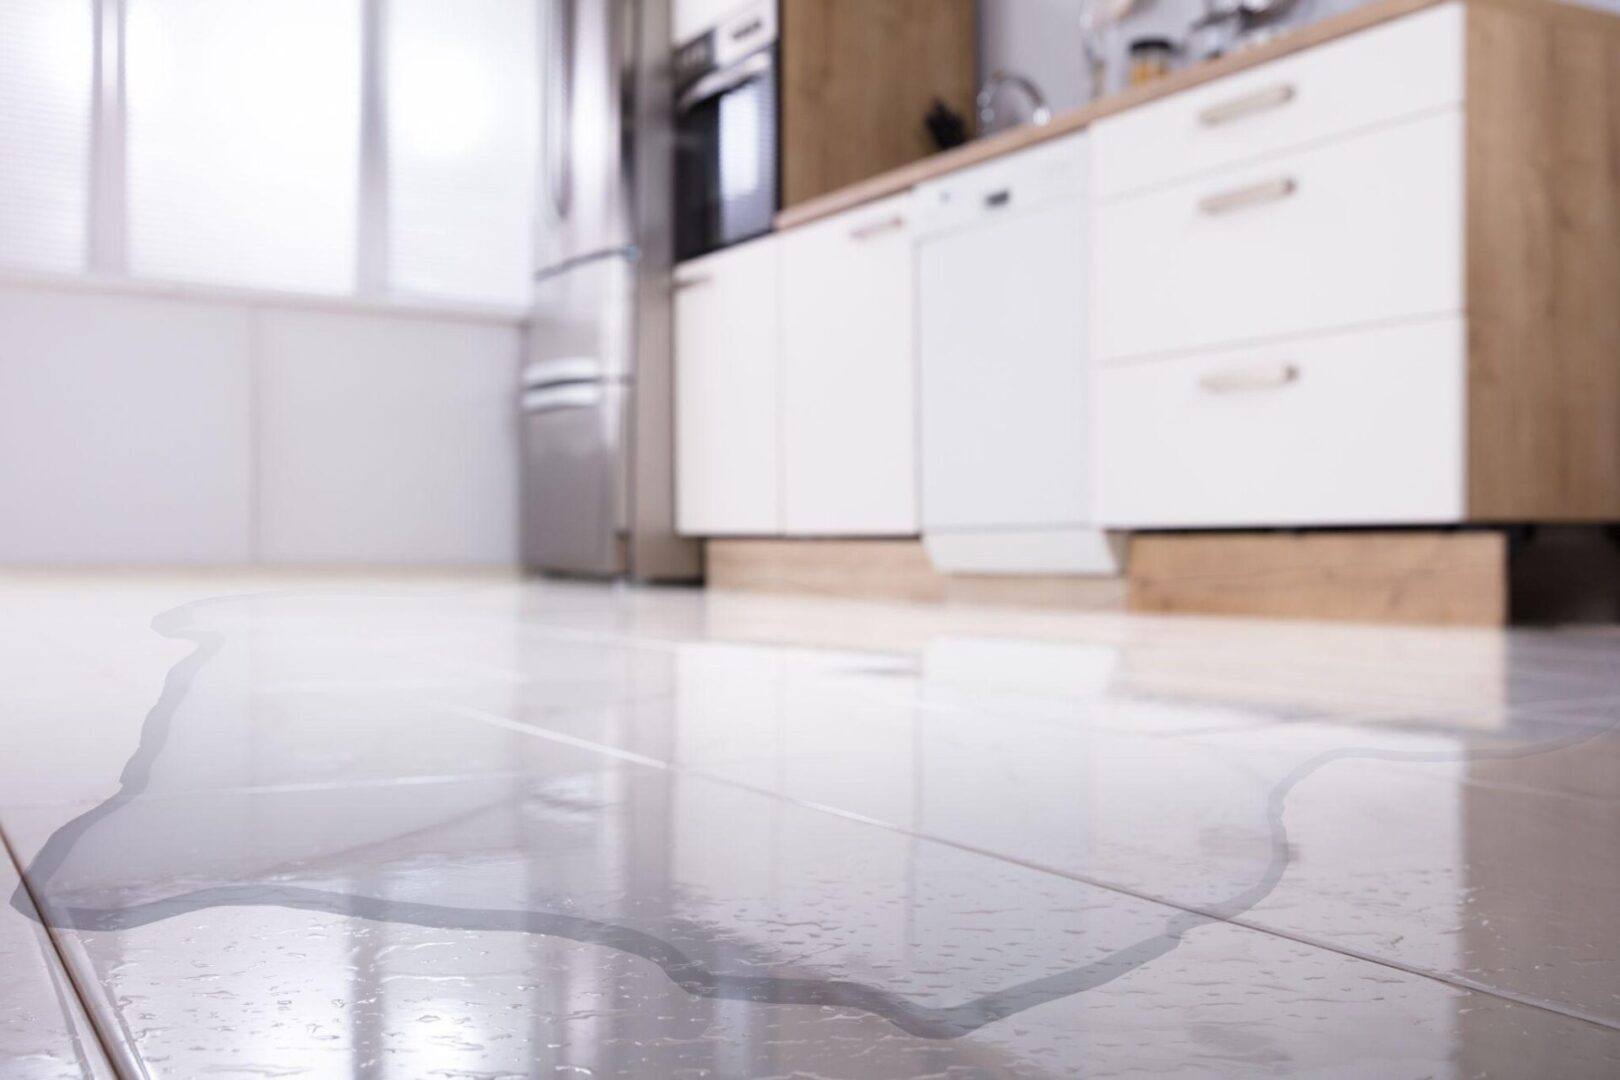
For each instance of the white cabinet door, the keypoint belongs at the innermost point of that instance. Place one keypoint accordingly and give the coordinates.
(849, 426)
(727, 401)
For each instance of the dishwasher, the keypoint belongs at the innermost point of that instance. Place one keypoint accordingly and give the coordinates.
(1003, 370)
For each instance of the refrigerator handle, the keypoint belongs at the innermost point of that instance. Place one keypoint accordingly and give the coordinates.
(560, 106)
(557, 398)
(628, 252)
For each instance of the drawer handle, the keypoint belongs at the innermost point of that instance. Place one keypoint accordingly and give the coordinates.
(1268, 191)
(1273, 97)
(1241, 380)
(696, 281)
(877, 228)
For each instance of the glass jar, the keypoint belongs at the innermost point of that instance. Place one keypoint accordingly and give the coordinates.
(1150, 59)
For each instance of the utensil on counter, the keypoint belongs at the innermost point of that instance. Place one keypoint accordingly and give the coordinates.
(1039, 111)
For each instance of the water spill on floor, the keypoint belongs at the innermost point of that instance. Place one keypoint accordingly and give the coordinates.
(484, 828)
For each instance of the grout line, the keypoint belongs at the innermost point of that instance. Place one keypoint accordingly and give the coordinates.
(92, 1017)
(1456, 981)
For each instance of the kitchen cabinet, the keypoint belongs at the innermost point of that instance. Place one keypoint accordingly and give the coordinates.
(1277, 296)
(848, 375)
(728, 430)
(858, 76)
(1321, 302)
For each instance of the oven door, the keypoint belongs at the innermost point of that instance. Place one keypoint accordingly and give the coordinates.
(726, 183)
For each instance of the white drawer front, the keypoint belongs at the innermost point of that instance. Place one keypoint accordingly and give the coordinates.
(1353, 429)
(1356, 231)
(1399, 69)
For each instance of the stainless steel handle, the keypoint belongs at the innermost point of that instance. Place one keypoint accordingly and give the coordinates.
(1258, 377)
(695, 281)
(561, 371)
(629, 253)
(559, 118)
(718, 82)
(877, 228)
(557, 398)
(1254, 195)
(1272, 97)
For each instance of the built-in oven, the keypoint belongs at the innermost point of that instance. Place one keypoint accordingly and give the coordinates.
(727, 187)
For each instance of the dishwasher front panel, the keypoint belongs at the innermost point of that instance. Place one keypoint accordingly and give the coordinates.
(1003, 372)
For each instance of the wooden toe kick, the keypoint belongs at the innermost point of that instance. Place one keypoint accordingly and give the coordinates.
(894, 570)
(1465, 577)
(1436, 578)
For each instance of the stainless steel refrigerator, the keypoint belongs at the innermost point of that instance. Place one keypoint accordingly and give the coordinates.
(597, 394)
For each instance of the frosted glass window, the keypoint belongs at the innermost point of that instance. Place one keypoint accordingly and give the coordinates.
(462, 94)
(244, 141)
(46, 78)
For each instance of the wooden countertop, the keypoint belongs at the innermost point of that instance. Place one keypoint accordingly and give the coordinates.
(1006, 142)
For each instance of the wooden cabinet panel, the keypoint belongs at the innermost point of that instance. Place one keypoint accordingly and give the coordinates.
(1434, 578)
(858, 79)
(1543, 243)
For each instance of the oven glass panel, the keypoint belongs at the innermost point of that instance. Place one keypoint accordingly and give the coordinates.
(726, 186)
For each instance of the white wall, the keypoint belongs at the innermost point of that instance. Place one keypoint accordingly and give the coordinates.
(386, 439)
(1041, 38)
(124, 430)
(142, 429)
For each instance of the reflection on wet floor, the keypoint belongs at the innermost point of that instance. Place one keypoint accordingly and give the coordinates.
(442, 828)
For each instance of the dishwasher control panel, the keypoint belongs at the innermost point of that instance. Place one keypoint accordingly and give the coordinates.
(1028, 178)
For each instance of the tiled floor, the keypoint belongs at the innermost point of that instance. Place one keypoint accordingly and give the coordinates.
(477, 828)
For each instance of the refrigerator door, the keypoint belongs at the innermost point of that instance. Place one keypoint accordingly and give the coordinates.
(584, 322)
(598, 479)
(576, 390)
(585, 206)
(575, 503)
